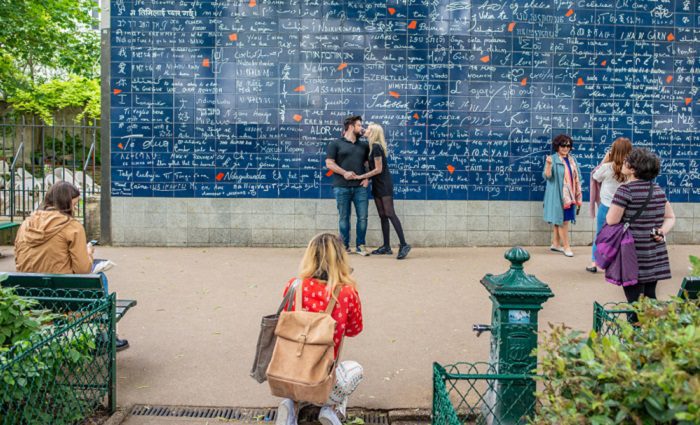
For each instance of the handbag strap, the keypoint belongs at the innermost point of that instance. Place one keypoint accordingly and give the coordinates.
(288, 296)
(641, 209)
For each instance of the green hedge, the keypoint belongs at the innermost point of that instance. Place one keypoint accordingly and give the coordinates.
(648, 374)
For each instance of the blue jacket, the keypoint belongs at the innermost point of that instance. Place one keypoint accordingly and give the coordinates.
(553, 204)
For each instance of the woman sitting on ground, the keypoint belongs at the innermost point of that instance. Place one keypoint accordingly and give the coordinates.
(324, 268)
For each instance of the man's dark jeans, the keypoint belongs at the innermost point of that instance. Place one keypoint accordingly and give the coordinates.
(345, 196)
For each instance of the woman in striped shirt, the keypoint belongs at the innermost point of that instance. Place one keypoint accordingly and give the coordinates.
(652, 226)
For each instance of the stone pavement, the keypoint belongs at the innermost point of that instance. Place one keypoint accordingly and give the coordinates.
(194, 330)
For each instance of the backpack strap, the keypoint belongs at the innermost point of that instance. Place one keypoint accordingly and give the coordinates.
(332, 300)
(297, 297)
(641, 209)
(286, 301)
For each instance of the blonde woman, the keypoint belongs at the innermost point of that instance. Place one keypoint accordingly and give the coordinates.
(609, 175)
(383, 191)
(324, 268)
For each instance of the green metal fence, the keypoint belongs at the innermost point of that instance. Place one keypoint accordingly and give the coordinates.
(606, 317)
(471, 393)
(67, 372)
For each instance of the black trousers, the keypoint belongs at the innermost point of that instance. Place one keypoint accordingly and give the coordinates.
(632, 293)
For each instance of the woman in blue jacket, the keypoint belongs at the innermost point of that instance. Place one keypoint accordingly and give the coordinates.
(562, 195)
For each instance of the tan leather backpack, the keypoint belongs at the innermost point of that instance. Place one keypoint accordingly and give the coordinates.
(302, 367)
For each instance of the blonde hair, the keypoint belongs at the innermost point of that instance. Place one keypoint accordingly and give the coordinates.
(325, 259)
(376, 136)
(621, 147)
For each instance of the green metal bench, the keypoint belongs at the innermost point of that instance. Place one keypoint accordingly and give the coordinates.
(69, 286)
(8, 225)
(7, 231)
(691, 285)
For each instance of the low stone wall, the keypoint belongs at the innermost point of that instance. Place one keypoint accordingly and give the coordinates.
(292, 222)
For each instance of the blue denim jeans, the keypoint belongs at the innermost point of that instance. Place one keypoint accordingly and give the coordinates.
(600, 221)
(344, 197)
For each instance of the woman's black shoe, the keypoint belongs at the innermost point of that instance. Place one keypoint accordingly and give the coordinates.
(592, 269)
(403, 251)
(122, 344)
(383, 250)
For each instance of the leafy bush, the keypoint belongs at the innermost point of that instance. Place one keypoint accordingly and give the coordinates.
(694, 266)
(18, 320)
(648, 375)
(40, 364)
(46, 99)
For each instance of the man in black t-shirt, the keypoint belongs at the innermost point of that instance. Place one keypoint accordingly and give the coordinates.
(347, 158)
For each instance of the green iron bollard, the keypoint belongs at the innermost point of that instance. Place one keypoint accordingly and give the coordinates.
(517, 297)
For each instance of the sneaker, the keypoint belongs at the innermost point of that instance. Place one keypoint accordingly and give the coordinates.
(569, 253)
(327, 416)
(122, 344)
(362, 251)
(348, 250)
(286, 413)
(383, 250)
(403, 251)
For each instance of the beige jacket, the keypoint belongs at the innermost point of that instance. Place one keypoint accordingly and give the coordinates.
(52, 242)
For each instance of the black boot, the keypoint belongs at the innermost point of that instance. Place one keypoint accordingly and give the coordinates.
(403, 251)
(122, 344)
(383, 250)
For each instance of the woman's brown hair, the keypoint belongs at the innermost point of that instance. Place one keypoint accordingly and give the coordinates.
(621, 148)
(60, 198)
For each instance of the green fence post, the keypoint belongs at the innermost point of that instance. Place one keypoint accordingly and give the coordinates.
(112, 392)
(517, 298)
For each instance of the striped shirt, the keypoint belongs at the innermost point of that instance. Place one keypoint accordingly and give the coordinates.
(652, 256)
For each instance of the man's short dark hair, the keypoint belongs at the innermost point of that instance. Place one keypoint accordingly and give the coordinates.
(561, 139)
(646, 164)
(350, 121)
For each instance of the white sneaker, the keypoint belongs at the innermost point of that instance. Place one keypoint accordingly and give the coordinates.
(362, 251)
(569, 253)
(327, 416)
(286, 414)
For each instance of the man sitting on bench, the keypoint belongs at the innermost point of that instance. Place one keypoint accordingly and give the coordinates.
(51, 240)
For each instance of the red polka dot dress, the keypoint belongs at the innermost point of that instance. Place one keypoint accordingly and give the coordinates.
(347, 311)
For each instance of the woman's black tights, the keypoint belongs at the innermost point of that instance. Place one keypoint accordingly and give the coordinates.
(385, 208)
(632, 293)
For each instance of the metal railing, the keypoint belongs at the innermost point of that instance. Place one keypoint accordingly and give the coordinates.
(607, 317)
(42, 154)
(65, 373)
(476, 393)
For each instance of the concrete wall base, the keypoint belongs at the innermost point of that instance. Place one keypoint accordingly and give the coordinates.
(292, 222)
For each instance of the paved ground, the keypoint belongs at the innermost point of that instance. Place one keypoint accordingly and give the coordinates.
(194, 330)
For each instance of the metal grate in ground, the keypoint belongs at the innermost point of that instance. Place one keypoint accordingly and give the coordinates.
(248, 414)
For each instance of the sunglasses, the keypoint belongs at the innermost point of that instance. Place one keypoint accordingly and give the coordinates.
(565, 146)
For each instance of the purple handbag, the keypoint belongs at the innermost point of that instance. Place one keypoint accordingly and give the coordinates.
(615, 250)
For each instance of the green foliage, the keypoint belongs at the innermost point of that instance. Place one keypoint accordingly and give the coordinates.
(694, 266)
(46, 99)
(648, 375)
(37, 387)
(38, 38)
(19, 319)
